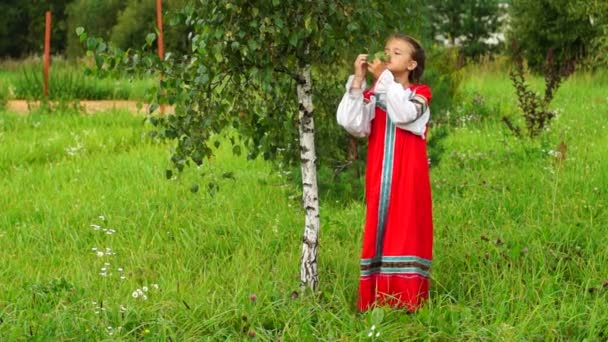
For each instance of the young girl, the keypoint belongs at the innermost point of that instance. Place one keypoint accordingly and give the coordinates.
(393, 114)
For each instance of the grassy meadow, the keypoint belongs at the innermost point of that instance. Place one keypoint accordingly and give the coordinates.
(96, 244)
(23, 80)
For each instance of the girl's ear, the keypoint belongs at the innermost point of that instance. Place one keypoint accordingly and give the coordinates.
(412, 66)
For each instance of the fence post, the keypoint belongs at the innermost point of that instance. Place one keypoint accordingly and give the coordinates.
(161, 48)
(47, 53)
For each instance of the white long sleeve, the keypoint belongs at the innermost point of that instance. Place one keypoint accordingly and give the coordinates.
(406, 109)
(353, 113)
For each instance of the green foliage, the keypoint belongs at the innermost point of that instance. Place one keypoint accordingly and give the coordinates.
(138, 19)
(470, 22)
(22, 25)
(540, 26)
(244, 65)
(98, 17)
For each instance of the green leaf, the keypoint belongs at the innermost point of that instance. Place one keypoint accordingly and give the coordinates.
(79, 30)
(253, 45)
(381, 56)
(168, 174)
(293, 40)
(150, 38)
(83, 37)
(98, 61)
(101, 47)
(91, 44)
(153, 107)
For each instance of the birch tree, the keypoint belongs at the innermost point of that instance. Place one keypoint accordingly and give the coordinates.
(251, 68)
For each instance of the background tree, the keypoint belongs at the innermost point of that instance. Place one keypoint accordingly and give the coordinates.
(138, 19)
(554, 36)
(98, 17)
(22, 26)
(572, 30)
(468, 23)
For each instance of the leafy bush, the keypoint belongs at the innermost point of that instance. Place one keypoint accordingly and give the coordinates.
(535, 108)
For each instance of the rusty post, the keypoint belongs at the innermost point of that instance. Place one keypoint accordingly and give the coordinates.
(47, 53)
(161, 48)
(159, 23)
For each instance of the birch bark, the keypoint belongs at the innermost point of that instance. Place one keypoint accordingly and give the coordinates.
(310, 198)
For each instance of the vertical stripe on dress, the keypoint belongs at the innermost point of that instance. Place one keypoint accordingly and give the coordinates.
(387, 175)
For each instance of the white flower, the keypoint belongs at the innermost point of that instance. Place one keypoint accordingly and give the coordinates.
(135, 294)
(373, 327)
(155, 286)
(378, 334)
(370, 334)
(144, 297)
(103, 269)
(123, 277)
(103, 274)
(95, 226)
(106, 264)
(94, 249)
(101, 217)
(145, 288)
(100, 254)
(120, 269)
(123, 308)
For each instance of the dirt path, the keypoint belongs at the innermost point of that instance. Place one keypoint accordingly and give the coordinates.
(90, 107)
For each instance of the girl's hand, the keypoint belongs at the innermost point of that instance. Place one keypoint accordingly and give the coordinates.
(376, 68)
(360, 70)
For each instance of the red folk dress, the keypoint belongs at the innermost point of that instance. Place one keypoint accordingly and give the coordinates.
(398, 236)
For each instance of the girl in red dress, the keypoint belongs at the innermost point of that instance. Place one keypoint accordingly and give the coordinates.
(393, 113)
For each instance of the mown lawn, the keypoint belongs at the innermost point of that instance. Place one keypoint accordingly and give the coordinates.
(87, 219)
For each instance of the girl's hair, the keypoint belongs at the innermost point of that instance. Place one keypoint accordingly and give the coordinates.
(418, 55)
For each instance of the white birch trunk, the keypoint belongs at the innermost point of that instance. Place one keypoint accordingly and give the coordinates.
(310, 198)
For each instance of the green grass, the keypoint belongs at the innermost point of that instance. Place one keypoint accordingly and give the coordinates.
(519, 236)
(67, 81)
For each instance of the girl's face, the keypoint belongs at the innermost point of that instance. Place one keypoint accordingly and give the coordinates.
(400, 56)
